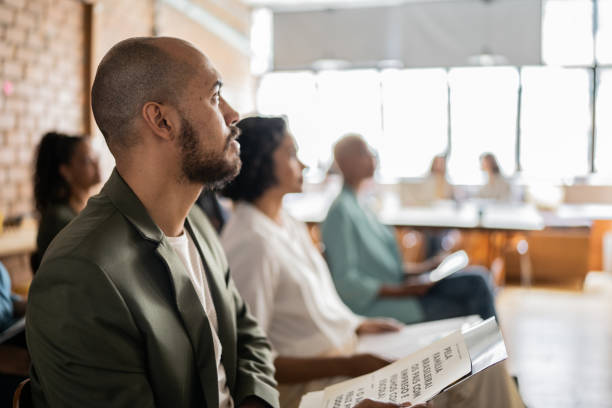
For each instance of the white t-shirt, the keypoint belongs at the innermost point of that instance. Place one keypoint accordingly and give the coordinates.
(286, 283)
(189, 255)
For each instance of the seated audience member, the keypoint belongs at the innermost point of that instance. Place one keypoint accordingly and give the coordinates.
(65, 171)
(287, 285)
(133, 305)
(12, 306)
(366, 264)
(496, 186)
(436, 185)
(14, 358)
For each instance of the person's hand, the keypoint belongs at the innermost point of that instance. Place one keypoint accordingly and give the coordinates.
(375, 326)
(368, 403)
(360, 364)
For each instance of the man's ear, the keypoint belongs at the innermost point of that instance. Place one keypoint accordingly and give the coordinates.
(159, 118)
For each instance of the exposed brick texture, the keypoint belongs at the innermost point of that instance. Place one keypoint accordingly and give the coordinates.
(43, 55)
(47, 82)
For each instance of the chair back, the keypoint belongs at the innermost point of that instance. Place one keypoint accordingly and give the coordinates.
(23, 395)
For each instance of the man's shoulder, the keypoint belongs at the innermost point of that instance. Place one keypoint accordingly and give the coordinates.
(342, 207)
(100, 234)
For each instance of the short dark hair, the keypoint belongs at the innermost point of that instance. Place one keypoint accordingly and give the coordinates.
(259, 139)
(50, 187)
(133, 72)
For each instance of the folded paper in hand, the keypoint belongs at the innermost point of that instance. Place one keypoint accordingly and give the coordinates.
(451, 264)
(422, 375)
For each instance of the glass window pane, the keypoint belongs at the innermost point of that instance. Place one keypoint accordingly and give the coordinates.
(604, 32)
(414, 120)
(555, 122)
(294, 94)
(603, 127)
(567, 32)
(349, 102)
(483, 119)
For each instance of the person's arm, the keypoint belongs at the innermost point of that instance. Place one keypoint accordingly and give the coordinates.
(404, 289)
(255, 383)
(86, 349)
(291, 370)
(415, 268)
(6, 301)
(354, 286)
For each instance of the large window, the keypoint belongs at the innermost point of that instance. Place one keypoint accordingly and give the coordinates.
(567, 32)
(415, 120)
(484, 104)
(555, 122)
(603, 138)
(408, 117)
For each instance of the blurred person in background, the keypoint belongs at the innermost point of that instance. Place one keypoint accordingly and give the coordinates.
(66, 170)
(366, 264)
(496, 186)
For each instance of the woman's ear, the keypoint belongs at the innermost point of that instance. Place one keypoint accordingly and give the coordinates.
(65, 172)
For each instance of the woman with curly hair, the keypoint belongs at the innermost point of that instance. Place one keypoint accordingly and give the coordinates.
(65, 171)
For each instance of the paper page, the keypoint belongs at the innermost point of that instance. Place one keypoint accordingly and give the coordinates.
(410, 338)
(312, 400)
(451, 264)
(416, 378)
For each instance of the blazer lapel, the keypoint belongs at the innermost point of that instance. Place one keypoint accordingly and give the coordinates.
(195, 321)
(187, 302)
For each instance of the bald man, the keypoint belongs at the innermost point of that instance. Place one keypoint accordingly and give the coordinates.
(366, 264)
(133, 304)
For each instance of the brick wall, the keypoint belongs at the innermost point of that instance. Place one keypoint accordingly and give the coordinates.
(48, 59)
(42, 61)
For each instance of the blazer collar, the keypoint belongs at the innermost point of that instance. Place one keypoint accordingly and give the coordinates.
(126, 201)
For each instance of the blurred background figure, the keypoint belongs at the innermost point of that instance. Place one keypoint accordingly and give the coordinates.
(496, 186)
(367, 267)
(436, 186)
(66, 170)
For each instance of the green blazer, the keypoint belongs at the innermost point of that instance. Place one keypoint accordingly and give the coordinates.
(114, 321)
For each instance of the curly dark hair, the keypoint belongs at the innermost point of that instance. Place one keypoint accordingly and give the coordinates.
(259, 138)
(50, 187)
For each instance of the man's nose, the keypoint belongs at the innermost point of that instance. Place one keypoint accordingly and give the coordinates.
(229, 114)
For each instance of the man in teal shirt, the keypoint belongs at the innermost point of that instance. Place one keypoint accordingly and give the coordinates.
(366, 264)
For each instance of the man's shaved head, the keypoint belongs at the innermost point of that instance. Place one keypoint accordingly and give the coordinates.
(133, 72)
(345, 148)
(354, 158)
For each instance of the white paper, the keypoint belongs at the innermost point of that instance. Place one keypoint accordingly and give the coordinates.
(451, 264)
(416, 378)
(413, 337)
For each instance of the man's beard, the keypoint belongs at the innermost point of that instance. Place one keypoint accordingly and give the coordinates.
(214, 170)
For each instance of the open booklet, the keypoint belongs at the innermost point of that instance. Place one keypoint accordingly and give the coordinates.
(451, 264)
(423, 374)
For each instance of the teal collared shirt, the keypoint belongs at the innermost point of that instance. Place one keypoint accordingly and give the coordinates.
(362, 254)
(114, 320)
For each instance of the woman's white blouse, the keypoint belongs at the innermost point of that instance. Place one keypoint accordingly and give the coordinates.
(286, 283)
